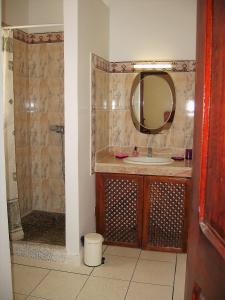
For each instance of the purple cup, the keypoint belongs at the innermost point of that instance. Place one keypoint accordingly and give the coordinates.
(188, 154)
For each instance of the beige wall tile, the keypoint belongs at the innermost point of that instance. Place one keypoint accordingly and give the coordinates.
(122, 131)
(38, 76)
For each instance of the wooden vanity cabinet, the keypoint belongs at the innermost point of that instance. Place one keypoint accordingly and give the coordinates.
(165, 213)
(119, 208)
(149, 212)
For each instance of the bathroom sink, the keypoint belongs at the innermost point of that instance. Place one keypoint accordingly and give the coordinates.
(145, 160)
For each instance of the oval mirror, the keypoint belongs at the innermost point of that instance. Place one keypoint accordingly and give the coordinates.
(152, 102)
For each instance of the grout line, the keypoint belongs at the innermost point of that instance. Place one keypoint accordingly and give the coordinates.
(37, 285)
(174, 277)
(132, 275)
(149, 283)
(37, 297)
(157, 260)
(57, 270)
(118, 279)
(88, 277)
(91, 272)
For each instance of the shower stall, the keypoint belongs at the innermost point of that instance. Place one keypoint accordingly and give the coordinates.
(34, 134)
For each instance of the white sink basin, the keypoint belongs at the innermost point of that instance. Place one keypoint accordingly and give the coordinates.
(145, 160)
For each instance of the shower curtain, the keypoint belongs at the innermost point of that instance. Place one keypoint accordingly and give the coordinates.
(15, 228)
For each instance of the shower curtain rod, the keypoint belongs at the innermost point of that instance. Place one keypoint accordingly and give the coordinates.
(31, 26)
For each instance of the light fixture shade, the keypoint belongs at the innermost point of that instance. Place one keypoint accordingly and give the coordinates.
(154, 66)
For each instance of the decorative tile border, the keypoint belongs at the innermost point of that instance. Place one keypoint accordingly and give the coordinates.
(100, 63)
(128, 66)
(38, 38)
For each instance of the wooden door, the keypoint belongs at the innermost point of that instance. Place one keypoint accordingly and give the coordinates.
(165, 213)
(205, 277)
(119, 199)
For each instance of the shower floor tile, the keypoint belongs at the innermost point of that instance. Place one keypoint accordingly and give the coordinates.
(44, 227)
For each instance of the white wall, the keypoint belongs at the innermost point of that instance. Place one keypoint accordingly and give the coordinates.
(5, 264)
(15, 12)
(45, 11)
(93, 37)
(152, 29)
(29, 12)
(71, 125)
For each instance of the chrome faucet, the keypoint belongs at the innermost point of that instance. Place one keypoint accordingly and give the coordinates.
(149, 154)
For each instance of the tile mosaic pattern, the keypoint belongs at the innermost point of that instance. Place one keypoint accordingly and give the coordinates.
(111, 119)
(127, 274)
(39, 103)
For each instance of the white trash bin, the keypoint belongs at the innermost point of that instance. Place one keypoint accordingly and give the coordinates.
(93, 249)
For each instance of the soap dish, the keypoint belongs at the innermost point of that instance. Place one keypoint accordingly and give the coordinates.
(121, 155)
(179, 158)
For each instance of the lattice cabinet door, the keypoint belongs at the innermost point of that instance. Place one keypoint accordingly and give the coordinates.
(165, 213)
(119, 202)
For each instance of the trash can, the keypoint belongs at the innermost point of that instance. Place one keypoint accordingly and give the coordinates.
(93, 249)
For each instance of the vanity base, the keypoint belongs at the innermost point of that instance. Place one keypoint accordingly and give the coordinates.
(148, 212)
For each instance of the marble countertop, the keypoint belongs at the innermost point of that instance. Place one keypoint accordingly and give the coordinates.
(107, 163)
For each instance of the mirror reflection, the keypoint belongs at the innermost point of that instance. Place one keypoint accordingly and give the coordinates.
(152, 101)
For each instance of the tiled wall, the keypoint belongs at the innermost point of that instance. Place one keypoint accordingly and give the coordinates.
(41, 98)
(124, 134)
(102, 109)
(120, 131)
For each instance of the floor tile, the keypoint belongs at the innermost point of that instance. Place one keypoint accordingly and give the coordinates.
(25, 279)
(116, 267)
(60, 286)
(123, 251)
(158, 256)
(155, 272)
(98, 288)
(70, 265)
(19, 297)
(143, 291)
(180, 277)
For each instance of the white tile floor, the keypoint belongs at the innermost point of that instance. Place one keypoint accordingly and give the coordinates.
(129, 274)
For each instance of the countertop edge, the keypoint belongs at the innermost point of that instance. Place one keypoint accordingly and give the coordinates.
(173, 171)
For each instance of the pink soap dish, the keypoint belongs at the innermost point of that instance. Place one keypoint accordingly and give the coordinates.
(121, 155)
